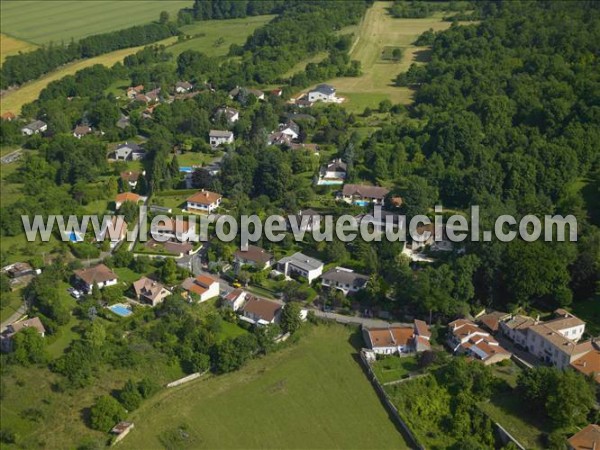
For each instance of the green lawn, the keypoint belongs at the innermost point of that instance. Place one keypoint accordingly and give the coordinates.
(126, 275)
(509, 411)
(193, 159)
(41, 21)
(394, 368)
(589, 310)
(311, 395)
(233, 31)
(230, 330)
(11, 302)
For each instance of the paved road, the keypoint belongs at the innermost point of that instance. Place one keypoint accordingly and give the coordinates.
(355, 319)
(20, 312)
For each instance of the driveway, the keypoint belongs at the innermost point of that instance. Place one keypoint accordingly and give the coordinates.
(20, 312)
(355, 320)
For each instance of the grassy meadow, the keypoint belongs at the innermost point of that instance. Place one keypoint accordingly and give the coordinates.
(378, 32)
(42, 22)
(310, 395)
(11, 46)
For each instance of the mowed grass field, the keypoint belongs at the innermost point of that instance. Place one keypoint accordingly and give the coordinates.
(232, 31)
(11, 46)
(44, 21)
(311, 395)
(377, 31)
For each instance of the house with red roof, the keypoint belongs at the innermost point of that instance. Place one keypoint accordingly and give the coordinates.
(201, 288)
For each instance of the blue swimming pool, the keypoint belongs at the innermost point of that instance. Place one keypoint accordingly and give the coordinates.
(186, 169)
(362, 202)
(120, 310)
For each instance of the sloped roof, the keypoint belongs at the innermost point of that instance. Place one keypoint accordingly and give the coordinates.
(376, 192)
(96, 274)
(204, 197)
(254, 253)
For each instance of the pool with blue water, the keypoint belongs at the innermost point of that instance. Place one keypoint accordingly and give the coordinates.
(120, 310)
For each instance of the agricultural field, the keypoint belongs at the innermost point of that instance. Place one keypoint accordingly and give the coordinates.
(311, 395)
(378, 32)
(42, 22)
(11, 46)
(214, 37)
(14, 100)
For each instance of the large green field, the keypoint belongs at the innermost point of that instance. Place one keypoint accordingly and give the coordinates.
(311, 395)
(44, 21)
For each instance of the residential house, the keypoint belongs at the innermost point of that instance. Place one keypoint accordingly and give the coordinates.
(153, 96)
(279, 138)
(181, 87)
(305, 219)
(149, 291)
(465, 337)
(381, 220)
(220, 137)
(345, 280)
(81, 131)
(363, 195)
(323, 93)
(277, 92)
(6, 338)
(238, 92)
(254, 256)
(99, 275)
(260, 311)
(35, 127)
(589, 363)
(173, 230)
(201, 287)
(290, 128)
(204, 202)
(115, 231)
(235, 299)
(131, 178)
(312, 148)
(491, 320)
(231, 115)
(129, 151)
(126, 197)
(20, 269)
(586, 439)
(332, 173)
(300, 265)
(427, 235)
(132, 92)
(516, 327)
(396, 339)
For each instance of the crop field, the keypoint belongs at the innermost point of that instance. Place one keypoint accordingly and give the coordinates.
(311, 395)
(378, 32)
(41, 21)
(14, 100)
(214, 37)
(11, 46)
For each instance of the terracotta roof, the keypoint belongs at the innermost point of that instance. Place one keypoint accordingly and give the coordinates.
(137, 89)
(492, 320)
(390, 337)
(127, 197)
(589, 364)
(264, 309)
(8, 116)
(96, 274)
(198, 285)
(586, 439)
(82, 130)
(204, 197)
(422, 328)
(376, 192)
(34, 322)
(254, 253)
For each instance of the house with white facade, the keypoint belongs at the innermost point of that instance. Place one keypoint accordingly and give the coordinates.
(396, 339)
(232, 115)
(259, 311)
(235, 299)
(323, 93)
(99, 275)
(290, 128)
(300, 265)
(181, 87)
(127, 197)
(333, 173)
(465, 337)
(345, 280)
(131, 178)
(363, 195)
(35, 127)
(129, 151)
(201, 288)
(203, 202)
(220, 137)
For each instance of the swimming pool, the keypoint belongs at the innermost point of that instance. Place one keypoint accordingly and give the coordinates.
(362, 202)
(120, 310)
(186, 169)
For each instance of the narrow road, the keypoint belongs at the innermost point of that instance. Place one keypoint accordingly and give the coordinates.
(14, 317)
(355, 320)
